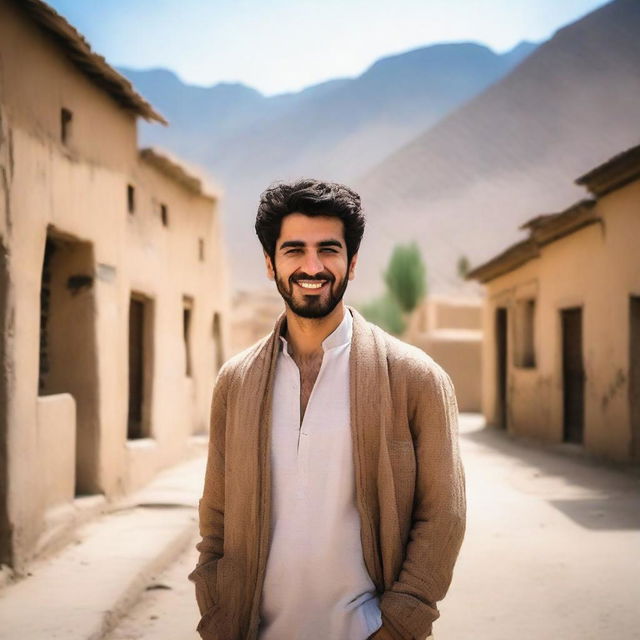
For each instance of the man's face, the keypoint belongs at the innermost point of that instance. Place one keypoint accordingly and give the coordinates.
(311, 270)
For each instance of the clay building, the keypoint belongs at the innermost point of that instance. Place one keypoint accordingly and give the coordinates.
(113, 296)
(561, 353)
(449, 329)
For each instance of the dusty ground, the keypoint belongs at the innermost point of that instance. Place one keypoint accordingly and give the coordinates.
(552, 552)
(168, 609)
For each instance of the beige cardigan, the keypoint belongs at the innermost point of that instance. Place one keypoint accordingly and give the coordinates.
(409, 484)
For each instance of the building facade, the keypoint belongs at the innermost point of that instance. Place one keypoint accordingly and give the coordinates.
(113, 295)
(561, 352)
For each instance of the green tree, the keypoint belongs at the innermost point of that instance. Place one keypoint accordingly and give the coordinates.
(406, 277)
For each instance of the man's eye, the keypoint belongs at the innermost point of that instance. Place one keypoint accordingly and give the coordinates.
(290, 251)
(328, 250)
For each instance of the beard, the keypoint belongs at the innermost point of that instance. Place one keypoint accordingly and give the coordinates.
(313, 305)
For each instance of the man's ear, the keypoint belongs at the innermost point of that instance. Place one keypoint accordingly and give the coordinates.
(352, 266)
(269, 264)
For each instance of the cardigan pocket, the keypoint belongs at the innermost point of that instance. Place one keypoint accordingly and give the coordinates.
(205, 578)
(216, 606)
(212, 625)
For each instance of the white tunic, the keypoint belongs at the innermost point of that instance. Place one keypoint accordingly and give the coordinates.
(316, 584)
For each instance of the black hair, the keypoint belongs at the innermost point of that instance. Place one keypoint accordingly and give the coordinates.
(311, 198)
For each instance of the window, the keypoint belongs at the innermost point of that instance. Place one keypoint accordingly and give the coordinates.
(131, 198)
(201, 249)
(66, 116)
(164, 214)
(524, 351)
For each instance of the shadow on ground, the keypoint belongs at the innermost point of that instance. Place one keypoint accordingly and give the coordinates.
(595, 494)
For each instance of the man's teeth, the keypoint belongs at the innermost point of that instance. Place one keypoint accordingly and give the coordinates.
(310, 285)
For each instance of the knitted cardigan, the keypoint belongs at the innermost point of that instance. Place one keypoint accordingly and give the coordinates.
(410, 490)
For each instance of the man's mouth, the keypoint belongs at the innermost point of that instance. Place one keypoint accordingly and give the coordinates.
(311, 284)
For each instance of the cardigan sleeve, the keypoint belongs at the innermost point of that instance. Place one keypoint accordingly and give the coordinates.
(211, 505)
(439, 508)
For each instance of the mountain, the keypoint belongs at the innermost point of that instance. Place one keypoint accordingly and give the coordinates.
(336, 130)
(513, 151)
(359, 122)
(198, 116)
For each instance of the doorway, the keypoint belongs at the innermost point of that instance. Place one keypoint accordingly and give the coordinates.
(572, 376)
(501, 367)
(68, 351)
(634, 375)
(140, 366)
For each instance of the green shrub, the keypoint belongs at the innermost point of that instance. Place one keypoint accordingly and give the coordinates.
(386, 313)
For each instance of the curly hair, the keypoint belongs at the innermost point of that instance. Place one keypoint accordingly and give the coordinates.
(311, 198)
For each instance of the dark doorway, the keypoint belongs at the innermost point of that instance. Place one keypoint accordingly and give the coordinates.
(634, 375)
(187, 315)
(140, 365)
(5, 529)
(572, 375)
(501, 367)
(68, 352)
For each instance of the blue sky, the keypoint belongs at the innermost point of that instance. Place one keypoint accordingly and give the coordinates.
(285, 45)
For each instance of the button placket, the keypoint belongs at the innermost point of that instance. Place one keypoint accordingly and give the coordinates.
(305, 436)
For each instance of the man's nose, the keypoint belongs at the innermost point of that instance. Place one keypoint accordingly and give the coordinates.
(312, 263)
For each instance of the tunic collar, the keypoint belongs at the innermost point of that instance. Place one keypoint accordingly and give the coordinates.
(339, 337)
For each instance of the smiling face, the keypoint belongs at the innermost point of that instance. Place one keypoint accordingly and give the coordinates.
(311, 270)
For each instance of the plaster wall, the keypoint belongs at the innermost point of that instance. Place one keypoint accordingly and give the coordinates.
(56, 445)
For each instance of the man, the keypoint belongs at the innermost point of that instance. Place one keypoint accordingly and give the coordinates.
(333, 504)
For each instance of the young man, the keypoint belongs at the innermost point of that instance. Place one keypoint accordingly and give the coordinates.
(334, 503)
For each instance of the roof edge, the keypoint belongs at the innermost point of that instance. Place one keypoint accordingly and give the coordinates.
(511, 258)
(613, 174)
(79, 51)
(543, 230)
(169, 165)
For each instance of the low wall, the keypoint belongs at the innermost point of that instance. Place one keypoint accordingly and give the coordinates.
(56, 415)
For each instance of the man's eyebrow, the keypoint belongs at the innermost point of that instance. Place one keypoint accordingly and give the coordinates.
(292, 243)
(300, 243)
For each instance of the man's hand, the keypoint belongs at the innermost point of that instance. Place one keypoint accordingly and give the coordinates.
(387, 632)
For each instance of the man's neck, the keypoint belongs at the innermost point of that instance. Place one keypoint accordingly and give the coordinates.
(305, 335)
